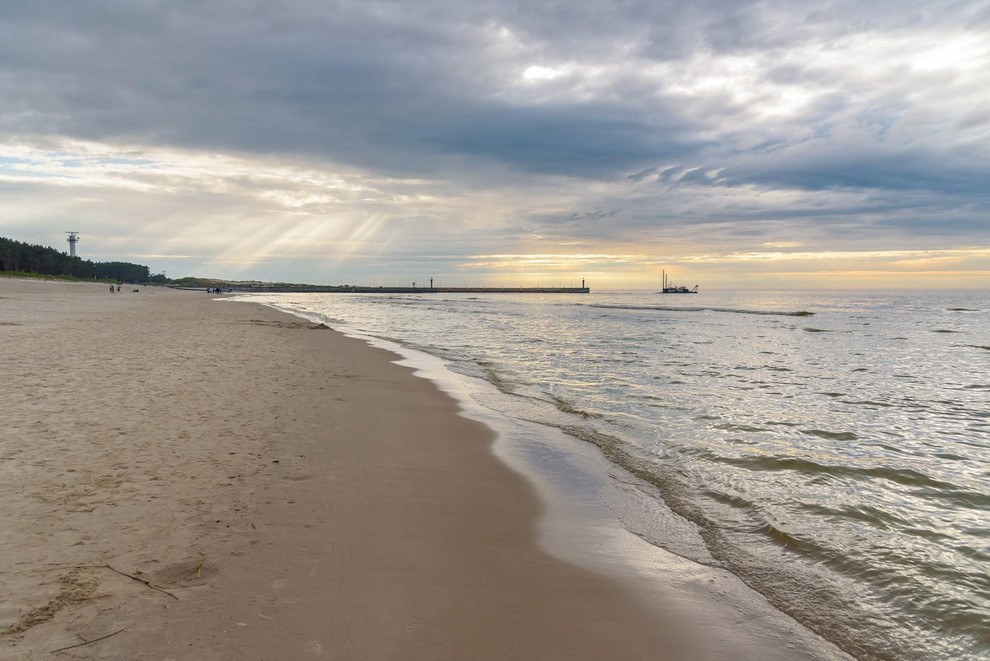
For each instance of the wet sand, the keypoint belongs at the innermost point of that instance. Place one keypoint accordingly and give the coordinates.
(182, 478)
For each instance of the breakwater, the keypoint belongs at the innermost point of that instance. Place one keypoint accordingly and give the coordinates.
(351, 289)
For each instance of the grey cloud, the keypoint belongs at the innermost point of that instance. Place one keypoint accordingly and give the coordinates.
(416, 88)
(643, 174)
(821, 164)
(564, 140)
(378, 91)
(369, 83)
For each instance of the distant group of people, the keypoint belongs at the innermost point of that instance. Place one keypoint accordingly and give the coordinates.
(115, 289)
(217, 290)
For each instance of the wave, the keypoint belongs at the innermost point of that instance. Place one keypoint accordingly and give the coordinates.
(567, 407)
(664, 308)
(832, 613)
(922, 484)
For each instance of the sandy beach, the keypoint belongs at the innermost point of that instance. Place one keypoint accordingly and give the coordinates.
(182, 478)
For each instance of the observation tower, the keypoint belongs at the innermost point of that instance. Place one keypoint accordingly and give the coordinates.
(73, 240)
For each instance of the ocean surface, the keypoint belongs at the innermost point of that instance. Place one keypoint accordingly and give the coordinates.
(832, 449)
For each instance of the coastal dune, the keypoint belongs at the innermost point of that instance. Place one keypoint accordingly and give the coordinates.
(184, 478)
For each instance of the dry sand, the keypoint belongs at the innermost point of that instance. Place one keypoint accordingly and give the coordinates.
(206, 480)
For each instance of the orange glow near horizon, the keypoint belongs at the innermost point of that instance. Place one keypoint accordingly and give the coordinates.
(963, 268)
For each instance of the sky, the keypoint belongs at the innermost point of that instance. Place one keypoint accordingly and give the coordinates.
(732, 143)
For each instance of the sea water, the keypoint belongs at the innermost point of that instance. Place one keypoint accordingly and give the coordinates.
(830, 449)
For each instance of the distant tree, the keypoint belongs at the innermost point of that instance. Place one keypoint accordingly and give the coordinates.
(27, 258)
(122, 271)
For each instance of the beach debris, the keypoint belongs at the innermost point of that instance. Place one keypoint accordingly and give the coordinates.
(196, 570)
(185, 574)
(90, 642)
(141, 580)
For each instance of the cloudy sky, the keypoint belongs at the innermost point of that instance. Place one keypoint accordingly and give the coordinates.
(735, 143)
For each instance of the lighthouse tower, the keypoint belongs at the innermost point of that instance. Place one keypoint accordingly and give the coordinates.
(73, 239)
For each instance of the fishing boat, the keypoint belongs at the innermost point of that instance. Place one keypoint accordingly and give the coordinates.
(671, 288)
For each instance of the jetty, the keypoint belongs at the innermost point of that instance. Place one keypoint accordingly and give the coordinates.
(257, 287)
(354, 289)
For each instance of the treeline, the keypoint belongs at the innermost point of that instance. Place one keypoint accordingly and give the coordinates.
(16, 256)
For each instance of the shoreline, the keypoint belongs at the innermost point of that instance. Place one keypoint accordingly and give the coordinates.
(297, 493)
(599, 516)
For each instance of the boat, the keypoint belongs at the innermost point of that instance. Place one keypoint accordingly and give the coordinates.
(671, 288)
